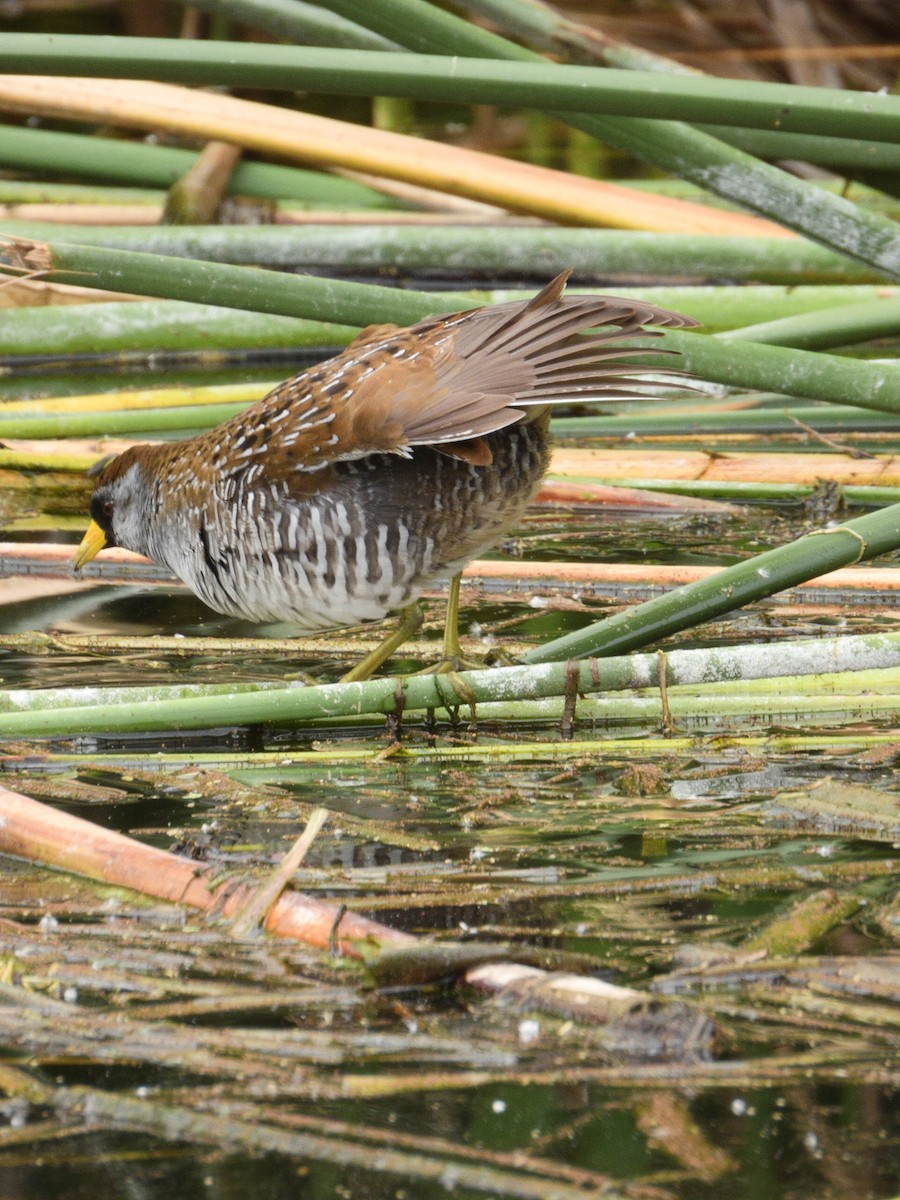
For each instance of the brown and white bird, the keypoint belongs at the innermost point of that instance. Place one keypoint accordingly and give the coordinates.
(352, 486)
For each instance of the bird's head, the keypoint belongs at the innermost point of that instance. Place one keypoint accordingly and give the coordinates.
(120, 506)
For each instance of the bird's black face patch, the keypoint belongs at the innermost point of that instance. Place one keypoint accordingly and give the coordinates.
(103, 512)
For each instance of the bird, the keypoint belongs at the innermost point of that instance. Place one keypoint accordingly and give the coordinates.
(354, 485)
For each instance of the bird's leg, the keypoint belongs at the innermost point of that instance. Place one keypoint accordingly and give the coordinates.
(451, 651)
(410, 623)
(452, 657)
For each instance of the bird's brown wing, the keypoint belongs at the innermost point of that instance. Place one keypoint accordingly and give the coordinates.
(449, 381)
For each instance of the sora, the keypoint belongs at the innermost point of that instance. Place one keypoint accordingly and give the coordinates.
(348, 489)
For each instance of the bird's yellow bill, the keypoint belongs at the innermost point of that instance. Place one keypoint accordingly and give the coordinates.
(91, 545)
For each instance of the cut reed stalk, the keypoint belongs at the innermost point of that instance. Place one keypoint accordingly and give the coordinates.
(737, 467)
(523, 250)
(416, 693)
(843, 697)
(50, 331)
(35, 831)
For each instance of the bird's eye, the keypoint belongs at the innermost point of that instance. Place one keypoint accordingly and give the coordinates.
(108, 507)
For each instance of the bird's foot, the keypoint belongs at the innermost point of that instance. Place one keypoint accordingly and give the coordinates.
(498, 657)
(451, 664)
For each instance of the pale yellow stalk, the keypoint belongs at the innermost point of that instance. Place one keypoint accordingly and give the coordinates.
(301, 137)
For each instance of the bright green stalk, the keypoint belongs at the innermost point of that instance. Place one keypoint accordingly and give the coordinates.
(421, 692)
(845, 154)
(766, 688)
(216, 283)
(770, 368)
(670, 145)
(30, 191)
(818, 681)
(53, 330)
(802, 373)
(160, 166)
(885, 182)
(713, 712)
(786, 566)
(459, 80)
(731, 697)
(102, 329)
(781, 703)
(840, 326)
(521, 250)
(188, 419)
(661, 422)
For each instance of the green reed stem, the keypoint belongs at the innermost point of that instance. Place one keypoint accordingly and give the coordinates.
(755, 366)
(415, 693)
(524, 251)
(814, 554)
(455, 79)
(89, 157)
